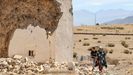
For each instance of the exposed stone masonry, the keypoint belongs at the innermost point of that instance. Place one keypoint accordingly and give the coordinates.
(20, 13)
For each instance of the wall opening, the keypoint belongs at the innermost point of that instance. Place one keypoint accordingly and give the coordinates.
(30, 44)
(31, 53)
(18, 14)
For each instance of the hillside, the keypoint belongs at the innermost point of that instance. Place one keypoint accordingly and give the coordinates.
(85, 17)
(127, 20)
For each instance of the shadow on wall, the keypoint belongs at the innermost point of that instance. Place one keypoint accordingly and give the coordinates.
(20, 13)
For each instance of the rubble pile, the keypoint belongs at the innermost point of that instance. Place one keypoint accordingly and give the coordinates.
(20, 65)
(86, 69)
(83, 69)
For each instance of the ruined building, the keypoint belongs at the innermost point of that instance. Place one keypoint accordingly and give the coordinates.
(38, 29)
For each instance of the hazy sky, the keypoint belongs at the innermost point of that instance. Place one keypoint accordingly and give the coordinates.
(96, 5)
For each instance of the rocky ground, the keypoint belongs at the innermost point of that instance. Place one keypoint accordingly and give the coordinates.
(19, 65)
(22, 66)
(119, 47)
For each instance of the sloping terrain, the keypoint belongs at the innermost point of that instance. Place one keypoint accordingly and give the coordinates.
(127, 20)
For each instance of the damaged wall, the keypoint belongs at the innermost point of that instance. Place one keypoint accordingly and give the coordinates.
(20, 13)
(30, 39)
(51, 15)
(64, 33)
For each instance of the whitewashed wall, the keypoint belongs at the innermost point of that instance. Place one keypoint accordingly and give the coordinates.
(35, 38)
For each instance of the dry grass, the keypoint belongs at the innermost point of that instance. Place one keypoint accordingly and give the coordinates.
(98, 41)
(86, 44)
(86, 38)
(130, 48)
(127, 52)
(123, 43)
(111, 51)
(127, 38)
(111, 45)
(80, 40)
(95, 38)
(74, 54)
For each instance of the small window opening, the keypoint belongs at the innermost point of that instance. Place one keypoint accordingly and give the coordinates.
(31, 53)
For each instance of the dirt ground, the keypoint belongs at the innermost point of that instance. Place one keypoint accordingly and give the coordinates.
(119, 47)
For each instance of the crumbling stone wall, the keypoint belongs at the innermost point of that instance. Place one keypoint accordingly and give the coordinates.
(64, 33)
(20, 13)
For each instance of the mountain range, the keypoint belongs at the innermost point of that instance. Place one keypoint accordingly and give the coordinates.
(85, 17)
(127, 20)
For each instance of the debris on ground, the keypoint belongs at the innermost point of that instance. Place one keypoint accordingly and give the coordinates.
(20, 65)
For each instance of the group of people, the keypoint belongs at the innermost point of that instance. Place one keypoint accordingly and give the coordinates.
(98, 54)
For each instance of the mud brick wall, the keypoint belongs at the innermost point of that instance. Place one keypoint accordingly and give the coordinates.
(51, 15)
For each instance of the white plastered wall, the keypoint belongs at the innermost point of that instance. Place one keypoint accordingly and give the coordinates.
(58, 46)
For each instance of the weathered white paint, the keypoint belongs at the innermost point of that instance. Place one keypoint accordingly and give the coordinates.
(32, 38)
(58, 46)
(63, 35)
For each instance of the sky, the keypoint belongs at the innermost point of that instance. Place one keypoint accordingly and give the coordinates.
(96, 5)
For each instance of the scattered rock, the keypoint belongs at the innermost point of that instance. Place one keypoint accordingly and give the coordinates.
(70, 66)
(22, 66)
(40, 68)
(17, 57)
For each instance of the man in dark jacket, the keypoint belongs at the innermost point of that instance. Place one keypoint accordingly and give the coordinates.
(102, 58)
(94, 56)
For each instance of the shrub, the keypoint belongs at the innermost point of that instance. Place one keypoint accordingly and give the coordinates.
(113, 28)
(74, 54)
(127, 38)
(130, 52)
(111, 51)
(120, 28)
(127, 52)
(131, 48)
(86, 44)
(123, 43)
(126, 45)
(80, 40)
(95, 38)
(98, 41)
(86, 38)
(94, 35)
(111, 45)
(104, 34)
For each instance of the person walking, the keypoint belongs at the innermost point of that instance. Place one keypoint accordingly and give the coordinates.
(94, 57)
(102, 58)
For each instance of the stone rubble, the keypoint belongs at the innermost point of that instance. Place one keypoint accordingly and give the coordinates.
(17, 57)
(20, 65)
